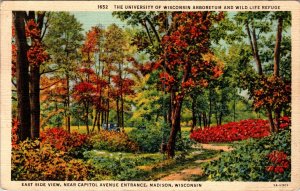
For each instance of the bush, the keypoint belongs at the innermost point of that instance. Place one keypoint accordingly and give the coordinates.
(73, 143)
(236, 131)
(33, 161)
(113, 141)
(267, 159)
(149, 139)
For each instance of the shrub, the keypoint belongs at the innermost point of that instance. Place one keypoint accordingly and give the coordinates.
(267, 159)
(74, 143)
(113, 141)
(236, 131)
(149, 139)
(35, 161)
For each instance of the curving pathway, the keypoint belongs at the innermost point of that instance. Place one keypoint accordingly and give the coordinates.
(187, 173)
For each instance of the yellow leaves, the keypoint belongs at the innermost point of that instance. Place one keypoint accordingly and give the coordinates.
(33, 161)
(210, 57)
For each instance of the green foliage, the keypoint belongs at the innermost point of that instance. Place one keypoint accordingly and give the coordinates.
(113, 141)
(148, 139)
(117, 166)
(33, 161)
(249, 161)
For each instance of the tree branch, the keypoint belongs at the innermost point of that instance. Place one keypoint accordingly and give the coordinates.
(48, 71)
(148, 32)
(153, 28)
(49, 85)
(254, 48)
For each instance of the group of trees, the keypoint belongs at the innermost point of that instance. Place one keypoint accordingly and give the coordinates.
(206, 58)
(166, 63)
(83, 76)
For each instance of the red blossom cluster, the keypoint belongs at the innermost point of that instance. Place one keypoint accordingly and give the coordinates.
(235, 131)
(184, 49)
(36, 53)
(63, 140)
(279, 162)
(84, 87)
(84, 91)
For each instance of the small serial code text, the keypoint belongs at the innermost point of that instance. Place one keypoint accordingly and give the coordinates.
(280, 185)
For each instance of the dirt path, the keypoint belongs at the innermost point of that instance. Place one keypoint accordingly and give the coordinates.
(216, 147)
(187, 173)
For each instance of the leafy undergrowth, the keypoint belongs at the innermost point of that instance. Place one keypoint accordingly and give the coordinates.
(34, 160)
(113, 141)
(130, 166)
(73, 143)
(267, 159)
(54, 157)
(236, 131)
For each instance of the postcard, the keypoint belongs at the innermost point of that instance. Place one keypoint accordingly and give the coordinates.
(150, 95)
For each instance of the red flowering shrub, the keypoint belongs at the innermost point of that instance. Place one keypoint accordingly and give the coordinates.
(235, 131)
(63, 140)
(279, 162)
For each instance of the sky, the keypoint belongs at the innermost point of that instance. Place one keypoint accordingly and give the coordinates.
(89, 19)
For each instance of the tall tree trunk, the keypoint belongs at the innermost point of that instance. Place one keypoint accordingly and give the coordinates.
(277, 67)
(270, 117)
(220, 118)
(175, 125)
(200, 119)
(108, 94)
(277, 47)
(34, 82)
(99, 114)
(22, 76)
(87, 117)
(210, 109)
(68, 118)
(194, 118)
(234, 106)
(170, 111)
(118, 112)
(122, 112)
(34, 88)
(95, 120)
(204, 119)
(277, 119)
(254, 48)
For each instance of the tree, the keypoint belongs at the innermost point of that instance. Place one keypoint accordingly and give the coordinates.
(187, 62)
(36, 56)
(259, 26)
(177, 41)
(22, 75)
(63, 41)
(32, 24)
(85, 92)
